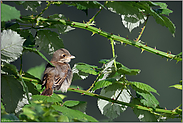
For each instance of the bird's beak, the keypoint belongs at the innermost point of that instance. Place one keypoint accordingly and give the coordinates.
(72, 57)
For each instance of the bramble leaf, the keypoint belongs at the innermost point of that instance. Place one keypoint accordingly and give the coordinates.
(48, 41)
(143, 87)
(8, 13)
(9, 86)
(113, 110)
(74, 114)
(11, 46)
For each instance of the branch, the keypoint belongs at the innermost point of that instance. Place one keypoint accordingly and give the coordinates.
(83, 92)
(95, 30)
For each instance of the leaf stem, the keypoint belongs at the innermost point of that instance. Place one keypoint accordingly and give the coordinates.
(49, 3)
(113, 53)
(142, 29)
(20, 65)
(92, 19)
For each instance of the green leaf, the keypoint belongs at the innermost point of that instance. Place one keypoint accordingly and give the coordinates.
(71, 103)
(126, 71)
(137, 11)
(112, 110)
(177, 86)
(37, 71)
(87, 68)
(143, 87)
(11, 46)
(9, 86)
(37, 52)
(9, 69)
(103, 83)
(53, 98)
(60, 27)
(8, 13)
(148, 100)
(76, 105)
(26, 34)
(74, 114)
(29, 5)
(48, 41)
(77, 74)
(63, 118)
(143, 115)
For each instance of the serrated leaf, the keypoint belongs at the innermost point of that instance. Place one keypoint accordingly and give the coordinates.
(53, 98)
(78, 74)
(26, 34)
(9, 69)
(11, 46)
(48, 41)
(140, 10)
(29, 5)
(109, 109)
(9, 86)
(148, 100)
(8, 13)
(143, 87)
(143, 115)
(87, 68)
(132, 21)
(81, 106)
(37, 71)
(177, 86)
(74, 114)
(103, 83)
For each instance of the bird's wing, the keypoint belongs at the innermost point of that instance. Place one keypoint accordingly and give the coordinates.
(61, 76)
(48, 76)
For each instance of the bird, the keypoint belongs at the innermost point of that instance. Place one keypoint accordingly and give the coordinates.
(59, 76)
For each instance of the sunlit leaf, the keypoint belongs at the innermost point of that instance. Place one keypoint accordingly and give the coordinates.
(143, 87)
(113, 110)
(8, 13)
(177, 86)
(11, 46)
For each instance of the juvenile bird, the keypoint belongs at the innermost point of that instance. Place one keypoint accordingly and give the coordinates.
(60, 76)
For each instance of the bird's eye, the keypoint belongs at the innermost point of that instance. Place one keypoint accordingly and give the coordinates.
(63, 55)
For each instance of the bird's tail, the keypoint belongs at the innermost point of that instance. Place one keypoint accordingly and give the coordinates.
(47, 92)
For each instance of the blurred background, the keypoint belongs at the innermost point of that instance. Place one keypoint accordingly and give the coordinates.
(155, 71)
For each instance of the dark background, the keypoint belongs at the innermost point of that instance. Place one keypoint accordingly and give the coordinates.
(155, 71)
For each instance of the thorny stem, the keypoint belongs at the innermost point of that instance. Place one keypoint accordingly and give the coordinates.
(108, 35)
(83, 92)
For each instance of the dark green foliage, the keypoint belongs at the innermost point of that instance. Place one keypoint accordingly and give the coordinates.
(111, 78)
